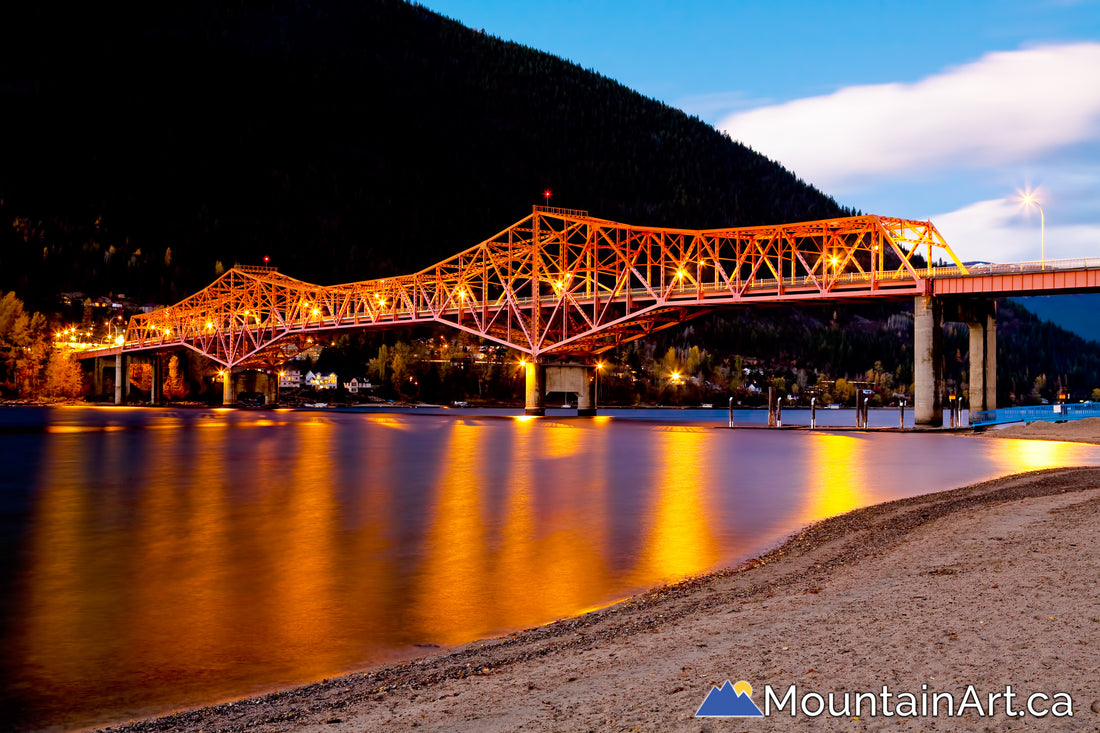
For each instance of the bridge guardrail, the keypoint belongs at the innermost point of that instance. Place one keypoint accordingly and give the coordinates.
(1036, 413)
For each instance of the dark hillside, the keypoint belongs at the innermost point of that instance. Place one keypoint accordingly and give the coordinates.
(345, 139)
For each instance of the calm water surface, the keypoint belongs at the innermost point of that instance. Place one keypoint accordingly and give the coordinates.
(160, 559)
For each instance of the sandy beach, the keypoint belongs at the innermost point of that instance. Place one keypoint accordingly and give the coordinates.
(991, 585)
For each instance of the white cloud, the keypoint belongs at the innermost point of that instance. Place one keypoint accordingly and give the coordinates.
(1005, 108)
(1001, 230)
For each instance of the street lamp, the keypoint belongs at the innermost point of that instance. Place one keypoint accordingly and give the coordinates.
(1028, 200)
(596, 396)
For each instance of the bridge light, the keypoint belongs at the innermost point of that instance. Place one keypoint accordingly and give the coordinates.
(546, 195)
(315, 311)
(1029, 199)
(120, 339)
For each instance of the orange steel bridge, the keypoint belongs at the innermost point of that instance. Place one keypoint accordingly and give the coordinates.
(562, 283)
(558, 282)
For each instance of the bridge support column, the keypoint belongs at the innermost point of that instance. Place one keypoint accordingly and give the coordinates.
(585, 405)
(97, 378)
(272, 391)
(928, 361)
(229, 388)
(155, 380)
(118, 377)
(571, 379)
(535, 403)
(983, 361)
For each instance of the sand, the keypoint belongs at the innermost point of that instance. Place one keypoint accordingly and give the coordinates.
(1078, 431)
(990, 585)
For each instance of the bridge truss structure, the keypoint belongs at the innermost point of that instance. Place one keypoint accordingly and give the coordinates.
(558, 282)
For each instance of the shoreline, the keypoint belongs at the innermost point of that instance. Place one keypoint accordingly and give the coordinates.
(649, 660)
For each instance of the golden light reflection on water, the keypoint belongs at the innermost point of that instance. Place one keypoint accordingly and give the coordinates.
(454, 569)
(1032, 455)
(54, 621)
(305, 519)
(178, 565)
(543, 565)
(680, 540)
(554, 560)
(836, 480)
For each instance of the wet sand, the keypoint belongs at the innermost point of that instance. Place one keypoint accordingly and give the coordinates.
(991, 585)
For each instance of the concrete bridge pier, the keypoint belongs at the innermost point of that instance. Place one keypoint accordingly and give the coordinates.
(155, 380)
(983, 358)
(535, 393)
(928, 361)
(571, 379)
(271, 388)
(97, 377)
(229, 388)
(118, 377)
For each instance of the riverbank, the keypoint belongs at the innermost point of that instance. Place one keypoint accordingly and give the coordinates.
(990, 585)
(1086, 430)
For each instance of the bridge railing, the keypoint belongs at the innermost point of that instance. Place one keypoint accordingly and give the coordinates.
(1036, 413)
(1010, 268)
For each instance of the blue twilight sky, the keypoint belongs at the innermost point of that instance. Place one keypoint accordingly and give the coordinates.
(941, 110)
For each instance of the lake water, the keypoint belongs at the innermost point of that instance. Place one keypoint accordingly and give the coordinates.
(155, 559)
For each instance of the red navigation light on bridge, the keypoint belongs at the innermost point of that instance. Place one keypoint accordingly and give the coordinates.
(546, 195)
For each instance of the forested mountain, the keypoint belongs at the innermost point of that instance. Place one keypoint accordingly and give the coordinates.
(345, 139)
(143, 152)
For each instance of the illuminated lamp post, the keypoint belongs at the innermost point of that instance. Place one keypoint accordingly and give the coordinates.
(546, 195)
(1028, 200)
(596, 394)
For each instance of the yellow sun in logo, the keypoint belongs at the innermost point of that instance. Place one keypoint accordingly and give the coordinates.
(744, 687)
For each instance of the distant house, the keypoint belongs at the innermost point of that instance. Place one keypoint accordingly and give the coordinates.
(321, 381)
(290, 379)
(354, 385)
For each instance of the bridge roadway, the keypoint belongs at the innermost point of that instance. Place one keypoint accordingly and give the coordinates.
(561, 286)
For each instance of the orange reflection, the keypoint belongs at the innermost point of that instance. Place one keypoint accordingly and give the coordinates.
(681, 542)
(837, 480)
(305, 579)
(552, 565)
(562, 439)
(61, 541)
(177, 596)
(454, 571)
(1032, 455)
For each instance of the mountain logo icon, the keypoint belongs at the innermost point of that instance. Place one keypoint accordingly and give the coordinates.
(729, 701)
